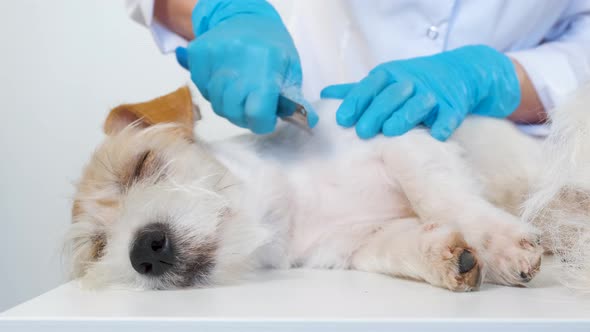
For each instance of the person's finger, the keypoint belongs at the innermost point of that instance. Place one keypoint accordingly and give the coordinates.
(234, 102)
(412, 113)
(336, 91)
(312, 118)
(201, 70)
(429, 120)
(389, 100)
(261, 108)
(216, 89)
(182, 57)
(447, 121)
(360, 97)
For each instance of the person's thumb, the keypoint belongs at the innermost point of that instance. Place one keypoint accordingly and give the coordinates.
(337, 91)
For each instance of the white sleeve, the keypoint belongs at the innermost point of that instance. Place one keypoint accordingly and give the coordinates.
(561, 64)
(142, 12)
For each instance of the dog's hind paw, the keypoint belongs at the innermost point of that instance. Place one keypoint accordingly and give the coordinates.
(512, 256)
(455, 265)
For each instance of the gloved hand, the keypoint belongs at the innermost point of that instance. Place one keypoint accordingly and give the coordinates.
(437, 91)
(242, 57)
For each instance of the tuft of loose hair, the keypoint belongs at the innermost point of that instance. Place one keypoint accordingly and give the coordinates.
(560, 203)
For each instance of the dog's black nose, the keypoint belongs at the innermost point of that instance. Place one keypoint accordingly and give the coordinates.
(152, 253)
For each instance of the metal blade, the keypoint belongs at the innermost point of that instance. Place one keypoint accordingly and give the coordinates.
(293, 112)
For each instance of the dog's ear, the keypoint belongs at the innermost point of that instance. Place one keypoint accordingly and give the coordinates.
(176, 107)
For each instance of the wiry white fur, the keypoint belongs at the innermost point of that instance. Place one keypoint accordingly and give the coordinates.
(338, 194)
(560, 205)
(192, 197)
(406, 206)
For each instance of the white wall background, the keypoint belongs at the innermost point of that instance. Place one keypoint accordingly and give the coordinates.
(63, 64)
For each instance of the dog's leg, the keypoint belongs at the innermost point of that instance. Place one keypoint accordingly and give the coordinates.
(441, 187)
(429, 252)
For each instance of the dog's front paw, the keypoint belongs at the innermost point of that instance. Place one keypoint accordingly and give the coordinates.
(512, 255)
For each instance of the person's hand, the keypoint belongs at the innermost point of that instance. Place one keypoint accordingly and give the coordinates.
(437, 91)
(241, 59)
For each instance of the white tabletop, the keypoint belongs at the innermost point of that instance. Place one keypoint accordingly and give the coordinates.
(307, 299)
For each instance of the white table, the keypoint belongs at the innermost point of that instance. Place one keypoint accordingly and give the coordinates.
(311, 300)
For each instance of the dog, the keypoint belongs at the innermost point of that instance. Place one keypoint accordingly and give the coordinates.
(157, 207)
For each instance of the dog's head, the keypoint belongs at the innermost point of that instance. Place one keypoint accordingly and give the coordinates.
(151, 209)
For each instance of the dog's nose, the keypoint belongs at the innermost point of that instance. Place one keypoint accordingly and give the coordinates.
(152, 253)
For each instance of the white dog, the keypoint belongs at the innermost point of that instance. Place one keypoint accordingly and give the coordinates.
(158, 208)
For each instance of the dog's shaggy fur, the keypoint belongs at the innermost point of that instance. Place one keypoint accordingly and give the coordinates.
(560, 204)
(410, 206)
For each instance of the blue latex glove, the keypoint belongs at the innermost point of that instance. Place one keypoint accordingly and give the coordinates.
(242, 57)
(437, 91)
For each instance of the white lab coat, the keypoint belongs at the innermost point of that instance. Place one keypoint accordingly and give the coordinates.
(342, 40)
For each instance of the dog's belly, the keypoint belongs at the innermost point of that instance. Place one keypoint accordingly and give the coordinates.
(337, 205)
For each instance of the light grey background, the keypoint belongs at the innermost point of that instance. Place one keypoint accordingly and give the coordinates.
(63, 65)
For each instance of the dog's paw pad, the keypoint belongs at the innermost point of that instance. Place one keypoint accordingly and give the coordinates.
(452, 264)
(466, 262)
(467, 272)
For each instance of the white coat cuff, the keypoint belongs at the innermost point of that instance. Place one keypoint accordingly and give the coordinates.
(142, 11)
(553, 74)
(166, 40)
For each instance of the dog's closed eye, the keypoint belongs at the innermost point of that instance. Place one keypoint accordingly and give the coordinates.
(140, 166)
(146, 165)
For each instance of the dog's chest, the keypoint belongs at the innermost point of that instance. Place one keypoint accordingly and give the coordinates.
(344, 196)
(346, 192)
(317, 189)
